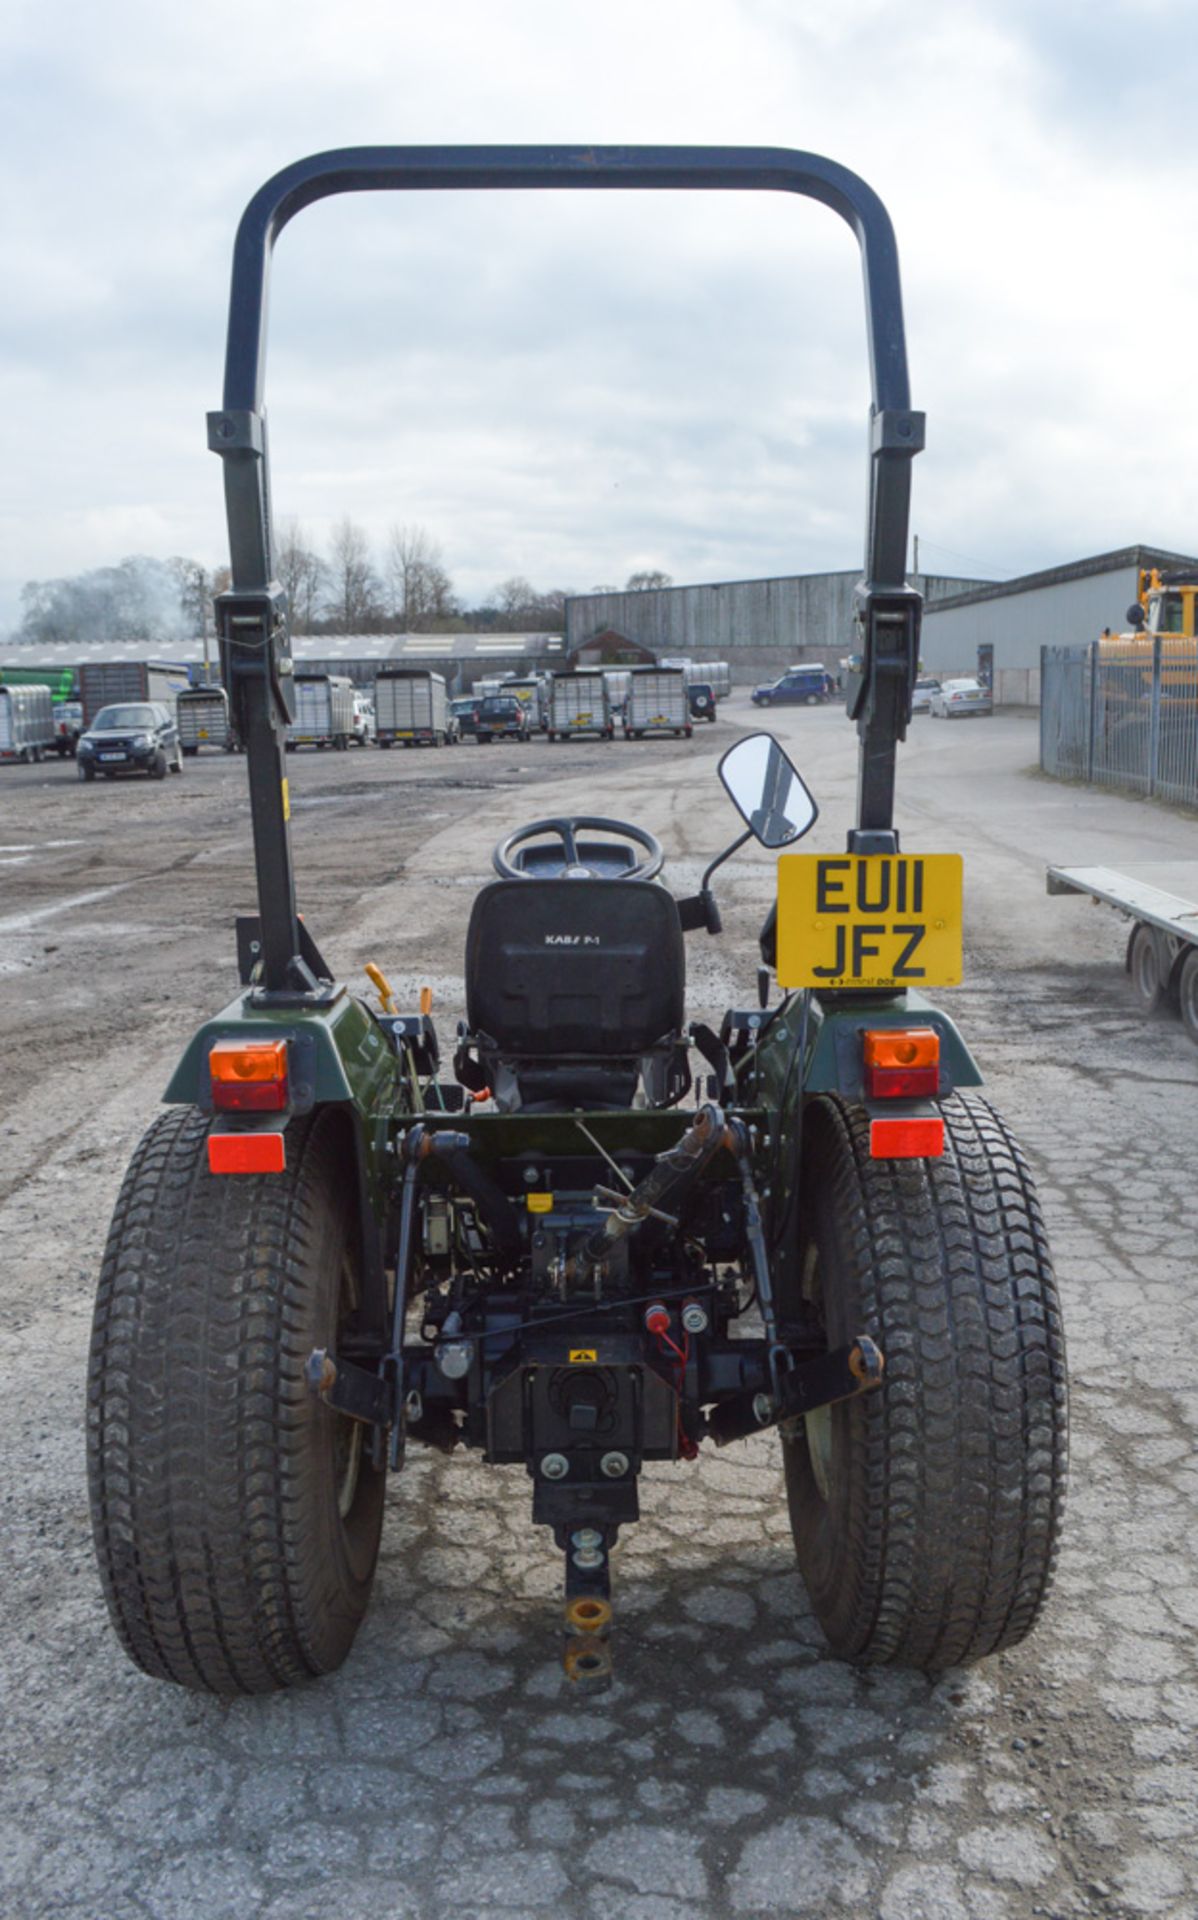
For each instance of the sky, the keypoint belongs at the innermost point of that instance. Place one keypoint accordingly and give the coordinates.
(574, 387)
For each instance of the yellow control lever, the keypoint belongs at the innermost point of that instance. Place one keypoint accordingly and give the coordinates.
(381, 985)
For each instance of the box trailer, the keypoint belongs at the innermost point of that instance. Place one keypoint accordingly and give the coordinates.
(579, 704)
(617, 689)
(717, 674)
(656, 702)
(109, 683)
(410, 707)
(324, 711)
(202, 716)
(26, 723)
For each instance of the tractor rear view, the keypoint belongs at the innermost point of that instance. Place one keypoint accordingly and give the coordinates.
(601, 1232)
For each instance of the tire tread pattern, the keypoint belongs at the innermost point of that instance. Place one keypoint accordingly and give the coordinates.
(213, 1509)
(940, 1545)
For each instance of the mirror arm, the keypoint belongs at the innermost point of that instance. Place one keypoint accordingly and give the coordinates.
(720, 858)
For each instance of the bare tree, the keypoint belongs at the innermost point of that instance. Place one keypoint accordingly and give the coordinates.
(354, 590)
(301, 573)
(420, 589)
(514, 599)
(646, 580)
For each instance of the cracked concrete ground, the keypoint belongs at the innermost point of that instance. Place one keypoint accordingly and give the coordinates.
(733, 1769)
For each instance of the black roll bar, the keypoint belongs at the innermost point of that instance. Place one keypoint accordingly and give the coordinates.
(252, 616)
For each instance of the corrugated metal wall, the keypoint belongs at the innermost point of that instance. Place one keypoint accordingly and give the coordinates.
(1065, 614)
(750, 623)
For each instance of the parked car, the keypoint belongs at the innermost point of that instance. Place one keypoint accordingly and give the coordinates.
(500, 715)
(68, 725)
(700, 698)
(462, 712)
(130, 737)
(799, 686)
(921, 701)
(27, 728)
(364, 727)
(956, 699)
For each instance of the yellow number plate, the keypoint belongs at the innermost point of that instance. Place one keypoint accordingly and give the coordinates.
(887, 920)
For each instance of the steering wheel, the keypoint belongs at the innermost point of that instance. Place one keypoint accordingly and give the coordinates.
(573, 868)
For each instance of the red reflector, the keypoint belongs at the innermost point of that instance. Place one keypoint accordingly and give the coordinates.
(246, 1153)
(903, 1139)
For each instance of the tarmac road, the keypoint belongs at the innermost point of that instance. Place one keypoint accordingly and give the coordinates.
(733, 1769)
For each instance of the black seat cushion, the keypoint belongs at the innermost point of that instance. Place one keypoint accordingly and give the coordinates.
(590, 967)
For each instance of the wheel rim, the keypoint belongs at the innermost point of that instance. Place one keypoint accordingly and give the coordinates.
(817, 1425)
(1189, 997)
(1144, 969)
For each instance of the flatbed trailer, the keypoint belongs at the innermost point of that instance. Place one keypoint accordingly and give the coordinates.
(1162, 947)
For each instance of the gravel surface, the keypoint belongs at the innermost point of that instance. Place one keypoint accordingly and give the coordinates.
(733, 1769)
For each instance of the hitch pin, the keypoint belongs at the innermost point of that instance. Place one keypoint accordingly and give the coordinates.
(616, 1205)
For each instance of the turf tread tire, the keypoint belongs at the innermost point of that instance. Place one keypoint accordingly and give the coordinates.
(225, 1562)
(938, 1544)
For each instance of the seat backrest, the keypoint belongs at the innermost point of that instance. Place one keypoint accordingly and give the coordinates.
(592, 967)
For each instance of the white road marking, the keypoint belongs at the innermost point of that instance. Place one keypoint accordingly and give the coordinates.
(22, 922)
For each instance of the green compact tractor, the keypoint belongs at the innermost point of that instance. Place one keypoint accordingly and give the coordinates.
(608, 1234)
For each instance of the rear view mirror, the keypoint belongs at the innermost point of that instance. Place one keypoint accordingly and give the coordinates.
(767, 791)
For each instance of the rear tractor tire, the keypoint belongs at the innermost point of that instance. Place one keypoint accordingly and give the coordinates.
(926, 1513)
(236, 1517)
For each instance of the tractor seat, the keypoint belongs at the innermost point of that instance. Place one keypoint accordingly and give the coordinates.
(575, 989)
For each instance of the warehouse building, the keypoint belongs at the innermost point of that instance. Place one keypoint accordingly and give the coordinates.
(757, 626)
(462, 658)
(1000, 626)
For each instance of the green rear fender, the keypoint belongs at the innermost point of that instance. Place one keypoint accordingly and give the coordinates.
(831, 1041)
(352, 1061)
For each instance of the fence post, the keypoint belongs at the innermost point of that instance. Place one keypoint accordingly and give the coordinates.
(1092, 650)
(1154, 724)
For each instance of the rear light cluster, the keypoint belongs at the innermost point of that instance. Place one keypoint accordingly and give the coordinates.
(902, 1063)
(249, 1076)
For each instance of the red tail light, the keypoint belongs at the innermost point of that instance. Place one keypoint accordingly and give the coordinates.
(249, 1076)
(901, 1063)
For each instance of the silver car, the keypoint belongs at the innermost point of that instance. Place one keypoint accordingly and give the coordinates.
(957, 698)
(921, 699)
